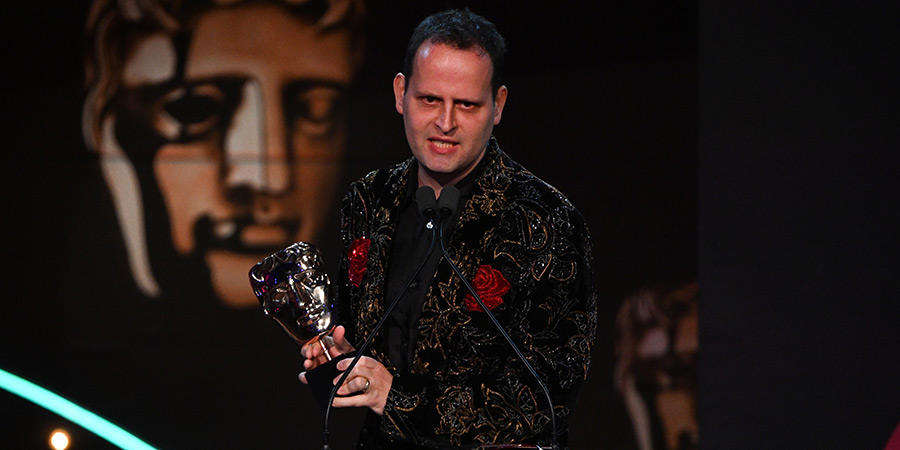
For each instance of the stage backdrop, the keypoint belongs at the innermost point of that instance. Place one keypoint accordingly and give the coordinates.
(156, 150)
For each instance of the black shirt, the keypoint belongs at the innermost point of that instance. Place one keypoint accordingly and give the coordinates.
(410, 245)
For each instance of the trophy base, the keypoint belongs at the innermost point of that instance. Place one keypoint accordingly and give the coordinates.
(321, 380)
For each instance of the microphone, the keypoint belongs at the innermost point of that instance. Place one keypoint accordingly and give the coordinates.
(447, 206)
(427, 205)
(449, 202)
(426, 202)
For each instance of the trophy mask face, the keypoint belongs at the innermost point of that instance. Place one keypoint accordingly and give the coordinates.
(293, 289)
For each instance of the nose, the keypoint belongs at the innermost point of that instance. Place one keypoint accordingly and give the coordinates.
(446, 120)
(256, 151)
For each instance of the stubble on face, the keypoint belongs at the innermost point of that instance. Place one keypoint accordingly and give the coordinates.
(448, 111)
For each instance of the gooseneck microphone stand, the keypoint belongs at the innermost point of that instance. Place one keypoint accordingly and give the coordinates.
(426, 203)
(447, 206)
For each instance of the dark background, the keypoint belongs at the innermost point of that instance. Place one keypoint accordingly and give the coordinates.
(799, 106)
(767, 128)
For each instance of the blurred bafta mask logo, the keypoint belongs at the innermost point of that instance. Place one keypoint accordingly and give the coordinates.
(220, 126)
(656, 365)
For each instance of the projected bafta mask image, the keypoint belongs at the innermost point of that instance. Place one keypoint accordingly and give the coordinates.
(221, 128)
(656, 365)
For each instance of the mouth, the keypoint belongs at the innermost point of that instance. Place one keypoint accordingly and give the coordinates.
(442, 146)
(243, 235)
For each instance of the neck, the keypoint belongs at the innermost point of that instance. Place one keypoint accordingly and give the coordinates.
(434, 183)
(438, 181)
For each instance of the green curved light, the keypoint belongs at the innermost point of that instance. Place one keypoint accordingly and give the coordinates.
(78, 415)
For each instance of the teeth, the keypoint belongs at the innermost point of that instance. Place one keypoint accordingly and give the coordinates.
(442, 144)
(224, 230)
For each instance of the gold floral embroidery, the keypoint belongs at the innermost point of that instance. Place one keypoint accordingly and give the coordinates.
(466, 386)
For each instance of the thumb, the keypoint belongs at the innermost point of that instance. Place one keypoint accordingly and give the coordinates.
(340, 339)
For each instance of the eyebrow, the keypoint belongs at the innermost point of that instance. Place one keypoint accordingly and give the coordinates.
(423, 94)
(299, 84)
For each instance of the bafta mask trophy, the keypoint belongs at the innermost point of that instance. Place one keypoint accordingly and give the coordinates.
(293, 289)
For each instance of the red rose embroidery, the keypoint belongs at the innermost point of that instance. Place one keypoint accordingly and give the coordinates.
(358, 254)
(490, 286)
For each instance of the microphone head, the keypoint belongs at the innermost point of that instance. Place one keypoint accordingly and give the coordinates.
(426, 202)
(449, 201)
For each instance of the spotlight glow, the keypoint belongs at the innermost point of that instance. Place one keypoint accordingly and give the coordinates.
(59, 440)
(78, 415)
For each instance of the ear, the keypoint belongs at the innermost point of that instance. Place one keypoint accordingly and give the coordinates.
(399, 90)
(499, 102)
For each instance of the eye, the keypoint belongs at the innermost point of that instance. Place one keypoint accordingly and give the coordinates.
(196, 109)
(430, 100)
(278, 299)
(316, 111)
(281, 296)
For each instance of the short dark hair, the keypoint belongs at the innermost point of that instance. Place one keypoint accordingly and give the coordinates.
(462, 29)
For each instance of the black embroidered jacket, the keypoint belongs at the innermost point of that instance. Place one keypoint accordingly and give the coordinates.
(466, 386)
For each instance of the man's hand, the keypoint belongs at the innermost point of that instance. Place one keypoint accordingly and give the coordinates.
(315, 355)
(370, 378)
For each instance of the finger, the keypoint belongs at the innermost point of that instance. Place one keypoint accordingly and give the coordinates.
(343, 364)
(339, 342)
(365, 385)
(364, 362)
(346, 402)
(343, 390)
(312, 361)
(340, 339)
(339, 335)
(310, 350)
(358, 384)
(342, 367)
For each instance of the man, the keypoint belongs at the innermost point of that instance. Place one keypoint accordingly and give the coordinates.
(441, 375)
(221, 130)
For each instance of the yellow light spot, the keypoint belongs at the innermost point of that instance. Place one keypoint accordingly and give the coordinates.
(59, 440)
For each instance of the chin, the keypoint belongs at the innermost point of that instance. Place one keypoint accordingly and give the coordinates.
(228, 272)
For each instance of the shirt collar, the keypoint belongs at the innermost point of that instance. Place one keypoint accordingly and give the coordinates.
(465, 186)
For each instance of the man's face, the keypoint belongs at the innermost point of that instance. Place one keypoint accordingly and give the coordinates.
(448, 111)
(252, 137)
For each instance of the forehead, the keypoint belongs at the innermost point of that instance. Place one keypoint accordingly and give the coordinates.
(441, 66)
(264, 40)
(249, 41)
